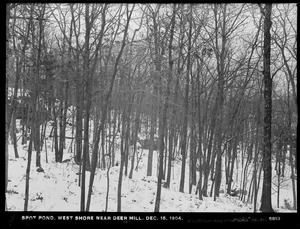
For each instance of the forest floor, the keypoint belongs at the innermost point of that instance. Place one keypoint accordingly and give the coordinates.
(56, 189)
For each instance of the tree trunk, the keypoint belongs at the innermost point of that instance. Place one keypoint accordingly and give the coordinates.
(103, 148)
(37, 91)
(255, 167)
(127, 133)
(266, 201)
(87, 108)
(135, 134)
(293, 182)
(7, 124)
(152, 130)
(122, 160)
(220, 99)
(107, 186)
(163, 121)
(186, 107)
(207, 163)
(28, 175)
(63, 122)
(79, 110)
(174, 109)
(14, 136)
(292, 151)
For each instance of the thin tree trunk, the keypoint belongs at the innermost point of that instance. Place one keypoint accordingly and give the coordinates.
(293, 150)
(293, 183)
(28, 175)
(14, 136)
(63, 124)
(234, 156)
(37, 106)
(107, 186)
(163, 121)
(256, 191)
(209, 151)
(220, 99)
(122, 160)
(55, 137)
(186, 107)
(255, 167)
(152, 131)
(87, 108)
(127, 135)
(7, 119)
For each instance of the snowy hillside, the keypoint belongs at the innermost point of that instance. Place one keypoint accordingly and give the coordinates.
(56, 189)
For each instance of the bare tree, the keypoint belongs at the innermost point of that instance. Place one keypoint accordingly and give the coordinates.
(163, 123)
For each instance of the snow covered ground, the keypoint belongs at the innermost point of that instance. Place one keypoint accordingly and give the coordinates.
(56, 189)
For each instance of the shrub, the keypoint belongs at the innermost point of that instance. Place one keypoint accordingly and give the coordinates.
(288, 204)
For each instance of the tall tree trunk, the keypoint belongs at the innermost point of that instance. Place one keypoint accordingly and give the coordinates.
(207, 163)
(220, 99)
(7, 118)
(292, 151)
(186, 107)
(37, 90)
(87, 108)
(63, 122)
(200, 132)
(193, 146)
(172, 121)
(266, 201)
(163, 122)
(79, 111)
(33, 117)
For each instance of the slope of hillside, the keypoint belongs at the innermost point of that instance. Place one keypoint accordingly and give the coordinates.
(56, 189)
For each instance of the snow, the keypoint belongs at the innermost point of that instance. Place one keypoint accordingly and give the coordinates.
(56, 189)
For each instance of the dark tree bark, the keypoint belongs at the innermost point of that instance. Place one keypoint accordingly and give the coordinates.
(63, 122)
(7, 117)
(28, 175)
(88, 106)
(293, 151)
(172, 139)
(266, 201)
(122, 162)
(186, 107)
(207, 163)
(163, 124)
(36, 108)
(193, 158)
(220, 99)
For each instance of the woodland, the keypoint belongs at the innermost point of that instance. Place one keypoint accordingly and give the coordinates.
(204, 96)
